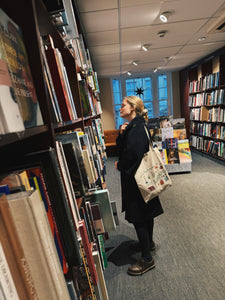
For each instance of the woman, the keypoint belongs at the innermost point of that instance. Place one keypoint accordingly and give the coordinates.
(132, 143)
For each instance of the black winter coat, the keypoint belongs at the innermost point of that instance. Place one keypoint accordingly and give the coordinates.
(131, 146)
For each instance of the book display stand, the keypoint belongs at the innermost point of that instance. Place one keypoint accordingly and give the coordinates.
(170, 136)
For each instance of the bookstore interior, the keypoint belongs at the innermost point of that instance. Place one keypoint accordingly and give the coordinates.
(53, 149)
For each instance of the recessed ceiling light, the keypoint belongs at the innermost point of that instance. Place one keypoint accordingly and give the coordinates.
(134, 63)
(203, 38)
(164, 16)
(129, 73)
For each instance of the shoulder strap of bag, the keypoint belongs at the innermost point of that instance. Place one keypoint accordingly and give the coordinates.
(148, 135)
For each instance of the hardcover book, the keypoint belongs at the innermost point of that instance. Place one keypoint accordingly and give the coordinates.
(184, 151)
(60, 203)
(58, 80)
(11, 119)
(14, 54)
(31, 222)
(101, 197)
(7, 285)
(15, 254)
(36, 175)
(88, 251)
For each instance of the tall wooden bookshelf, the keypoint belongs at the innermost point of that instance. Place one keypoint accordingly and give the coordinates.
(34, 21)
(203, 104)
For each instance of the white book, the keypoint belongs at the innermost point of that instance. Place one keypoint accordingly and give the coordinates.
(11, 119)
(7, 287)
(35, 235)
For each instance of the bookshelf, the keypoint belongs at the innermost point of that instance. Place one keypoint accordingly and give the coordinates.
(39, 151)
(206, 105)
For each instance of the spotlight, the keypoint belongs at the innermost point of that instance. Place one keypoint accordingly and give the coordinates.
(203, 38)
(145, 47)
(129, 73)
(155, 70)
(164, 16)
(162, 33)
(134, 63)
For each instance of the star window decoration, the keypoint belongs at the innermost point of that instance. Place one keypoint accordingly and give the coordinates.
(139, 91)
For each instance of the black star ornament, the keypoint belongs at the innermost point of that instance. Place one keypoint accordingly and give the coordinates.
(139, 91)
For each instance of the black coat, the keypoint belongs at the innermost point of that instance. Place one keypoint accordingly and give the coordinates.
(131, 146)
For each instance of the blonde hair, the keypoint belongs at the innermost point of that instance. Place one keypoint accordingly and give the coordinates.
(138, 105)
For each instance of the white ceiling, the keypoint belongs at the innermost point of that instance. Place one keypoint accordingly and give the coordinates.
(116, 29)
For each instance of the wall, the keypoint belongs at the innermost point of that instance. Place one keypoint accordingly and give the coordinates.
(106, 103)
(176, 95)
(107, 100)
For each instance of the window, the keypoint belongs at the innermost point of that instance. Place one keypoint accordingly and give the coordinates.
(117, 96)
(155, 91)
(162, 95)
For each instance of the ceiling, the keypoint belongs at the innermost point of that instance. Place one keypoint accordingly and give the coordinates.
(115, 30)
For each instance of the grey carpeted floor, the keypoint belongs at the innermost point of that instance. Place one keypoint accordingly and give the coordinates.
(190, 235)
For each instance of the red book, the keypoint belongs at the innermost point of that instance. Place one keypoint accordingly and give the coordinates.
(59, 84)
(88, 252)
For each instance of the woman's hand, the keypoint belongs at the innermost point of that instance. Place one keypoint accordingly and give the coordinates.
(123, 127)
(116, 162)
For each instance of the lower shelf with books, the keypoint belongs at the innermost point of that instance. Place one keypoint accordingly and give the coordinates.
(213, 147)
(59, 222)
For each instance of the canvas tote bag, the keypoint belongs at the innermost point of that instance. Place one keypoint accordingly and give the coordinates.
(151, 176)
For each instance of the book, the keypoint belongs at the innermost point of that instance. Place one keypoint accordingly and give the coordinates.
(71, 289)
(58, 79)
(184, 151)
(167, 132)
(82, 278)
(28, 206)
(88, 251)
(102, 250)
(73, 137)
(102, 284)
(102, 198)
(37, 178)
(86, 107)
(75, 172)
(7, 285)
(11, 119)
(99, 226)
(15, 56)
(55, 110)
(115, 214)
(180, 134)
(178, 123)
(4, 189)
(67, 183)
(48, 161)
(14, 253)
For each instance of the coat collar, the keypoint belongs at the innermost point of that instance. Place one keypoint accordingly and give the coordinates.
(135, 121)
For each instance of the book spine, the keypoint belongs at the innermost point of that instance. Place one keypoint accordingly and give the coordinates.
(8, 289)
(27, 285)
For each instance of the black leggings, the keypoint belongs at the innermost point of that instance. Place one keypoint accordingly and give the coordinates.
(145, 236)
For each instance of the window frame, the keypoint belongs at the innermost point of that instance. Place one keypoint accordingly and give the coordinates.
(155, 93)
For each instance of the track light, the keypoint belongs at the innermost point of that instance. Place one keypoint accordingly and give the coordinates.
(128, 73)
(162, 33)
(164, 16)
(134, 63)
(145, 47)
(155, 70)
